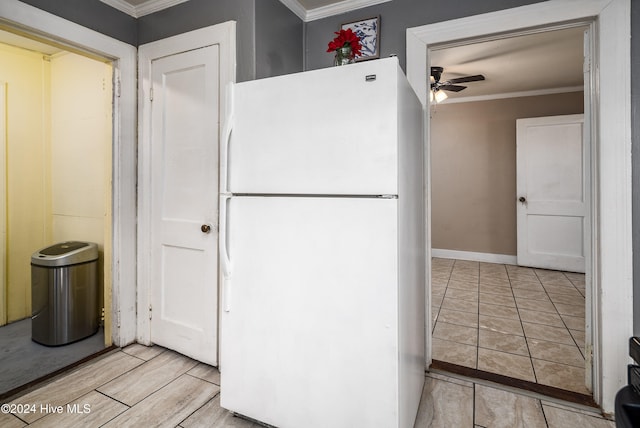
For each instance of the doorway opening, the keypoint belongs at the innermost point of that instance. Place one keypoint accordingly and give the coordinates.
(489, 313)
(610, 109)
(57, 145)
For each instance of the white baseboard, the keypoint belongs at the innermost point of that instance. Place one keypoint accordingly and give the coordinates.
(476, 257)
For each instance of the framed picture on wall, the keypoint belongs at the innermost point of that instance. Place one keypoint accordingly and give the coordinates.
(368, 30)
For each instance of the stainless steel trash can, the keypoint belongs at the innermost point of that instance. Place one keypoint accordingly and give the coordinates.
(64, 293)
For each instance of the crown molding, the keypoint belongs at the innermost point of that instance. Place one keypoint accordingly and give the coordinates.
(151, 6)
(146, 8)
(122, 6)
(329, 10)
(339, 8)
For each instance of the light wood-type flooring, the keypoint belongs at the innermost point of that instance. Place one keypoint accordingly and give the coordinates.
(142, 386)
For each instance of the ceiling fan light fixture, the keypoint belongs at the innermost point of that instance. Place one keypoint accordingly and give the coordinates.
(437, 95)
(438, 88)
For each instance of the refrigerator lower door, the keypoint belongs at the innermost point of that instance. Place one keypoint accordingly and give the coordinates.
(309, 322)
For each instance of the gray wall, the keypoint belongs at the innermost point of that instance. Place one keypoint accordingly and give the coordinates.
(279, 38)
(395, 17)
(196, 14)
(269, 36)
(93, 14)
(263, 26)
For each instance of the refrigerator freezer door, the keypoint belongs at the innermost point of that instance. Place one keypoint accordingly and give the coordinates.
(324, 132)
(309, 334)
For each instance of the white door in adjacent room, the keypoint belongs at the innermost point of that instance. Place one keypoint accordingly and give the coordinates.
(552, 187)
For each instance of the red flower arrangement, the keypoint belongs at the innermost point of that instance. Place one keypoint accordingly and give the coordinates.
(346, 38)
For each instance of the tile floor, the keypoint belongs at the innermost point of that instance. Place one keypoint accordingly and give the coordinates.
(142, 386)
(515, 321)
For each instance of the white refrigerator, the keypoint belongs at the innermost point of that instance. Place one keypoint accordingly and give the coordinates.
(323, 249)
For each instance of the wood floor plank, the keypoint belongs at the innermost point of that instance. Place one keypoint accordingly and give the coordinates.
(168, 406)
(73, 385)
(144, 352)
(10, 421)
(148, 378)
(206, 372)
(91, 410)
(211, 415)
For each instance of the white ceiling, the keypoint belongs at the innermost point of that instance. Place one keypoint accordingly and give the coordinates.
(543, 62)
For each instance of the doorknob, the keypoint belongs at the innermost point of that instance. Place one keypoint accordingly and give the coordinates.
(522, 199)
(205, 228)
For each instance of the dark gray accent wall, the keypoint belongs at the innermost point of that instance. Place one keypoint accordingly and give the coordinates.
(279, 39)
(395, 17)
(635, 158)
(93, 14)
(196, 14)
(268, 35)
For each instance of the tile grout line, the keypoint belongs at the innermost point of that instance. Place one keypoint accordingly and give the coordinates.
(466, 272)
(198, 409)
(199, 378)
(533, 369)
(558, 312)
(111, 398)
(582, 351)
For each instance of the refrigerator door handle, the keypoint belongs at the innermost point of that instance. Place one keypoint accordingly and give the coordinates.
(226, 139)
(225, 262)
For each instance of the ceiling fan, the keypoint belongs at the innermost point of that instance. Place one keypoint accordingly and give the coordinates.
(448, 85)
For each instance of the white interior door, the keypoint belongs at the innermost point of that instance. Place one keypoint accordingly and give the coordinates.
(184, 202)
(552, 187)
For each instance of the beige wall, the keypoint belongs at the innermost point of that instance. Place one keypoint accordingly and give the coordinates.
(80, 141)
(58, 136)
(473, 175)
(80, 190)
(25, 74)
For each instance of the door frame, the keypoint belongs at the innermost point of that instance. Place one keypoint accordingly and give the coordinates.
(611, 251)
(120, 294)
(223, 34)
(3, 203)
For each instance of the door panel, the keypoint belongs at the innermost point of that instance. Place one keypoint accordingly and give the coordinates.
(184, 165)
(552, 168)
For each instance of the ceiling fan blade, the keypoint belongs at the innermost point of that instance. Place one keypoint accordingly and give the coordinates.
(453, 88)
(474, 78)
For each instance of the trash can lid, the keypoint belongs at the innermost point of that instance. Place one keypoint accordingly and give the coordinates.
(65, 254)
